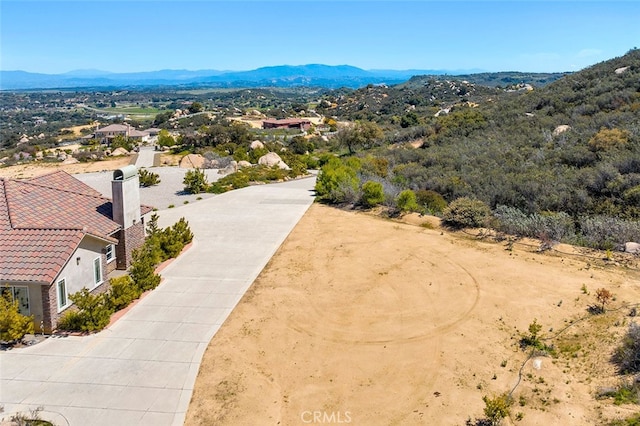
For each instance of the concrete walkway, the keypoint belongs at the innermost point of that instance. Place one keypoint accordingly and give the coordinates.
(142, 370)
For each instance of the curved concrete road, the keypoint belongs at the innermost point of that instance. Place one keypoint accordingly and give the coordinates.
(141, 371)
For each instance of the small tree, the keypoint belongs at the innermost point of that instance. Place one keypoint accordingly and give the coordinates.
(165, 138)
(13, 325)
(496, 408)
(148, 178)
(372, 194)
(466, 213)
(406, 201)
(603, 296)
(181, 231)
(363, 134)
(196, 107)
(142, 269)
(195, 181)
(533, 339)
(431, 201)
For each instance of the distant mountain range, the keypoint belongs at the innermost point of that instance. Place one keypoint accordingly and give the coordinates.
(277, 76)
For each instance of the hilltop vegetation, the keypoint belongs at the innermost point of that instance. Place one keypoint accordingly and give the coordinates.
(571, 147)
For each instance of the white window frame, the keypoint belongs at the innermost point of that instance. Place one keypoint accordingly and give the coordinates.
(12, 290)
(97, 280)
(110, 249)
(66, 294)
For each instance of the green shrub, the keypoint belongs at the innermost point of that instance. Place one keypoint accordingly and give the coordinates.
(148, 178)
(142, 269)
(71, 320)
(496, 408)
(466, 212)
(195, 181)
(372, 194)
(94, 310)
(605, 232)
(544, 226)
(406, 201)
(627, 355)
(217, 188)
(235, 180)
(13, 325)
(338, 182)
(627, 392)
(633, 420)
(432, 202)
(181, 231)
(123, 292)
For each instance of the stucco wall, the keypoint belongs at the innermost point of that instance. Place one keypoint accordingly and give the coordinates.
(80, 274)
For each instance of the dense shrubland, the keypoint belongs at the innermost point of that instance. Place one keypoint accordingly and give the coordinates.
(561, 162)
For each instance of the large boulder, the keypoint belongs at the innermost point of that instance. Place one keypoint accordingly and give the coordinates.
(272, 159)
(231, 168)
(632, 247)
(256, 145)
(561, 129)
(119, 151)
(192, 161)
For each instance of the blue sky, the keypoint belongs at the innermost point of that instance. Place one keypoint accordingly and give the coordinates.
(130, 36)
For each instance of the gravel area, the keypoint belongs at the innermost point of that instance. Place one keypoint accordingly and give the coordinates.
(170, 190)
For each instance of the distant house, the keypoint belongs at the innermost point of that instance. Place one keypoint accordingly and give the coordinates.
(287, 123)
(58, 235)
(106, 134)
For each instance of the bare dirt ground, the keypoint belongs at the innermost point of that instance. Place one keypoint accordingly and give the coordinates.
(375, 322)
(37, 169)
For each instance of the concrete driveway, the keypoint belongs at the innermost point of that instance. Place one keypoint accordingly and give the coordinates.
(141, 371)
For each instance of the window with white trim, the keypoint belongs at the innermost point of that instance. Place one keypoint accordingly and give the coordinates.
(110, 252)
(18, 294)
(97, 271)
(63, 297)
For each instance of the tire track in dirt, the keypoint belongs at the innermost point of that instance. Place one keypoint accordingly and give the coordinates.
(315, 322)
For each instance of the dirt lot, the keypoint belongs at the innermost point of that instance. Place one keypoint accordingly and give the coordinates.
(36, 169)
(369, 321)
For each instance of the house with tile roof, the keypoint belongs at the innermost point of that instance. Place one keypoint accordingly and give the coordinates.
(58, 235)
(106, 134)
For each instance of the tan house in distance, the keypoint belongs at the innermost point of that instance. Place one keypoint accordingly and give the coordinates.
(106, 134)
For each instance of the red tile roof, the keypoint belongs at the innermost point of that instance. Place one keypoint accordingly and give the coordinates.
(36, 255)
(42, 221)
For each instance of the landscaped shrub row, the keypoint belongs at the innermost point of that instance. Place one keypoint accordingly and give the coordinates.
(92, 312)
(195, 181)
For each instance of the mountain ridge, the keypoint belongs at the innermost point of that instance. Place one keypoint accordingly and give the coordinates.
(330, 76)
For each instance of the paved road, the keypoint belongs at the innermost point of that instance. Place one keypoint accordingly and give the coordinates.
(170, 191)
(141, 371)
(146, 154)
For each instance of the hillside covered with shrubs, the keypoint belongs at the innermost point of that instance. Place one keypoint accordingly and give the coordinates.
(561, 161)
